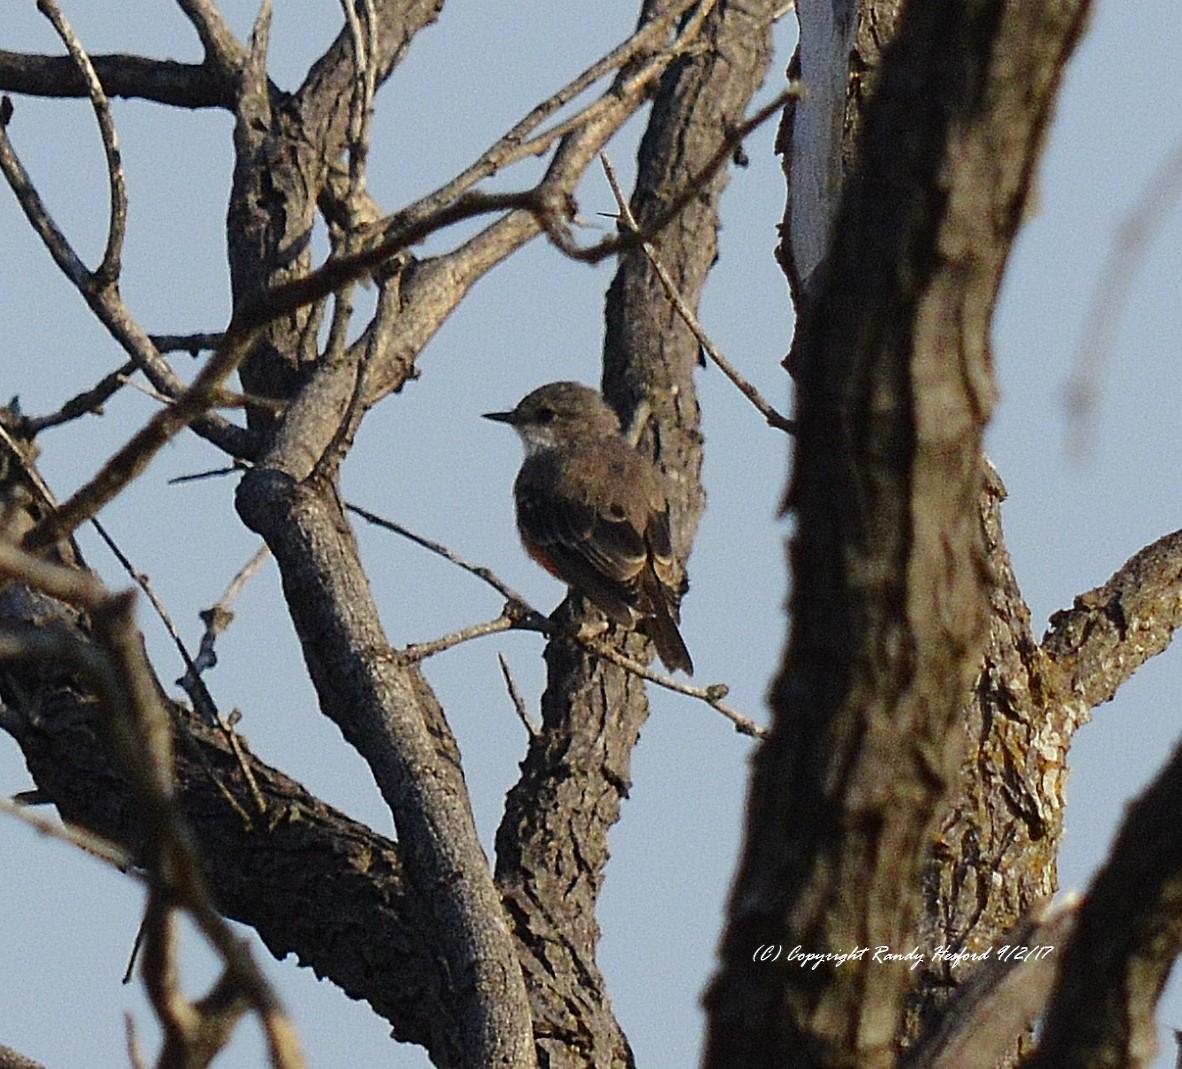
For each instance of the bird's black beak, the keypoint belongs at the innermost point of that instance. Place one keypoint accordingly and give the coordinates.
(501, 417)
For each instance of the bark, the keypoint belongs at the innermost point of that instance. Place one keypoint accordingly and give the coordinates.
(1129, 934)
(889, 608)
(994, 857)
(552, 844)
(181, 85)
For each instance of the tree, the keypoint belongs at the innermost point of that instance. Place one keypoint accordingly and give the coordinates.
(901, 582)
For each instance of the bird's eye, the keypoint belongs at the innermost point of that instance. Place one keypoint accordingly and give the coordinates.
(546, 414)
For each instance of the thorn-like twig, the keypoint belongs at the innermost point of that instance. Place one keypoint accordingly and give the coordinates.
(516, 698)
(629, 225)
(519, 615)
(198, 694)
(212, 473)
(482, 573)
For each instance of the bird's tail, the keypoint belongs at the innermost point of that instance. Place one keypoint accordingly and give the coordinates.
(662, 629)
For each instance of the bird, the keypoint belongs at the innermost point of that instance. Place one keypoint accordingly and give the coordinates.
(594, 513)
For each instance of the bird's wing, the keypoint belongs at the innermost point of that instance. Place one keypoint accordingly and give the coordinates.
(592, 547)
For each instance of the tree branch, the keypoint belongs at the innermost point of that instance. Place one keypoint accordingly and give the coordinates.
(552, 849)
(1112, 630)
(1126, 940)
(263, 871)
(889, 602)
(223, 52)
(161, 81)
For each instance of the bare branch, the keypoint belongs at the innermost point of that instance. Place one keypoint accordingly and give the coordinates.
(222, 49)
(593, 254)
(162, 81)
(1127, 937)
(1129, 247)
(89, 402)
(38, 215)
(103, 298)
(139, 729)
(628, 220)
(519, 615)
(109, 269)
(420, 651)
(481, 572)
(532, 729)
(508, 148)
(1113, 630)
(684, 43)
(134, 457)
(212, 473)
(186, 343)
(712, 695)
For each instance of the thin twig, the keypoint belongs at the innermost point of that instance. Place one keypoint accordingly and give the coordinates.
(136, 454)
(38, 215)
(593, 254)
(109, 269)
(515, 697)
(216, 619)
(102, 296)
(712, 695)
(418, 651)
(648, 73)
(202, 700)
(89, 402)
(507, 148)
(487, 575)
(95, 845)
(1112, 288)
(147, 391)
(519, 615)
(212, 473)
(191, 682)
(628, 220)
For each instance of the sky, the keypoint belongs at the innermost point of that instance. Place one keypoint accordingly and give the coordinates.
(1078, 506)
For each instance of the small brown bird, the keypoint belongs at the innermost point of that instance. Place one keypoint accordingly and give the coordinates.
(594, 513)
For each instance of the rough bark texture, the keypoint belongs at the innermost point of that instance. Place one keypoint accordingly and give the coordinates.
(552, 844)
(308, 879)
(889, 608)
(994, 857)
(1128, 937)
